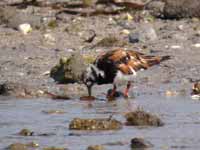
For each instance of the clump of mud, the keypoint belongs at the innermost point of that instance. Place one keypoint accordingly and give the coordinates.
(141, 118)
(95, 124)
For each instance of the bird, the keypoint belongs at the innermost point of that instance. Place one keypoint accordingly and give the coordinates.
(118, 66)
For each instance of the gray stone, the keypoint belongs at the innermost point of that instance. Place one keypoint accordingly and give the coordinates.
(134, 37)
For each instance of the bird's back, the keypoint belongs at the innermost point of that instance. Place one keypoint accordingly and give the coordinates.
(125, 61)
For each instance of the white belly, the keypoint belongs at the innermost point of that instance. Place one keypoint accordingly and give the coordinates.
(122, 78)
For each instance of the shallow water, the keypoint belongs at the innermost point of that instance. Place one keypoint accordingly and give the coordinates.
(180, 114)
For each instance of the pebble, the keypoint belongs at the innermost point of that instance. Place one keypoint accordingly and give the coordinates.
(134, 37)
(197, 45)
(129, 17)
(181, 27)
(25, 28)
(49, 38)
(143, 34)
(125, 31)
(175, 46)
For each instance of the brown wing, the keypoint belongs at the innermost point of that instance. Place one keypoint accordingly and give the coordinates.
(128, 60)
(145, 61)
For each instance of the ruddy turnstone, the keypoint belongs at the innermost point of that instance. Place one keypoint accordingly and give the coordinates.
(117, 66)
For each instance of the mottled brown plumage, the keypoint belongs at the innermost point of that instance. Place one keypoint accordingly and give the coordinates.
(119, 64)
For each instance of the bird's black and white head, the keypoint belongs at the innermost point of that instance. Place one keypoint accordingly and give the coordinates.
(91, 76)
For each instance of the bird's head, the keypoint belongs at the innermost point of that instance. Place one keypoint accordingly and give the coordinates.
(90, 77)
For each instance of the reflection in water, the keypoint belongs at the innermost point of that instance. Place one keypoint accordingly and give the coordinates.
(180, 114)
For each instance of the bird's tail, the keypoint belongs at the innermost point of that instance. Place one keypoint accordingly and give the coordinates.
(153, 60)
(163, 58)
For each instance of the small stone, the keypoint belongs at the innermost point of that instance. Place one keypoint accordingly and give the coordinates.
(196, 89)
(25, 28)
(26, 132)
(134, 37)
(46, 73)
(151, 34)
(175, 46)
(49, 38)
(95, 147)
(144, 34)
(181, 27)
(4, 89)
(140, 143)
(40, 92)
(197, 45)
(129, 17)
(125, 31)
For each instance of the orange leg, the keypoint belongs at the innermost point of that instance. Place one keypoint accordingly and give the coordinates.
(112, 93)
(127, 89)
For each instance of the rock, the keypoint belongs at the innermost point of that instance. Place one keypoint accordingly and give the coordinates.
(49, 38)
(143, 34)
(125, 31)
(18, 146)
(54, 148)
(117, 94)
(26, 132)
(25, 28)
(139, 143)
(4, 89)
(156, 8)
(197, 45)
(95, 147)
(95, 124)
(134, 37)
(175, 47)
(69, 70)
(196, 89)
(141, 118)
(175, 9)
